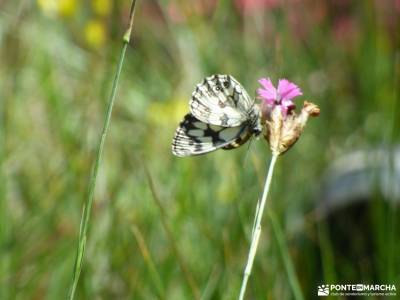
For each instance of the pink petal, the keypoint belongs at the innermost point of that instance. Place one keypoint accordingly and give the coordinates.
(268, 90)
(265, 96)
(286, 109)
(287, 103)
(288, 90)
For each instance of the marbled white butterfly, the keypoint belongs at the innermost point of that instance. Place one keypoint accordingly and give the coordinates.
(222, 115)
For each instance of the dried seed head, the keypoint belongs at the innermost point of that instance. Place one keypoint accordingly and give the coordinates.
(282, 132)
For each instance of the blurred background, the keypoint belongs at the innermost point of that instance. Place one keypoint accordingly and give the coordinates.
(183, 230)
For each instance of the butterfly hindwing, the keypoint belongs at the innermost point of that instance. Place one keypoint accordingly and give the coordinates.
(194, 137)
(238, 141)
(222, 116)
(221, 100)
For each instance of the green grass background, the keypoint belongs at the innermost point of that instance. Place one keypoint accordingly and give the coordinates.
(184, 230)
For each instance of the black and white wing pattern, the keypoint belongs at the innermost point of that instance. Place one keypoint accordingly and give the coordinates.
(221, 100)
(222, 115)
(194, 137)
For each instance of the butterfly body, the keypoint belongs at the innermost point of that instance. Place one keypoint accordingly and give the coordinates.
(222, 115)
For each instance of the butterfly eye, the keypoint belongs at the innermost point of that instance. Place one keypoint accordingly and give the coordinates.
(226, 84)
(217, 88)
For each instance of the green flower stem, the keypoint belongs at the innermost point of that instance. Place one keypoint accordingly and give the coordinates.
(257, 227)
(87, 207)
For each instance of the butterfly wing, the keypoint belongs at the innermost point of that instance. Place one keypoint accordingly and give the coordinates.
(221, 100)
(194, 137)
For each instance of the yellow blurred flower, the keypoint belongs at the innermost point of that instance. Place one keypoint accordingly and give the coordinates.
(102, 7)
(62, 7)
(67, 8)
(171, 112)
(48, 7)
(95, 33)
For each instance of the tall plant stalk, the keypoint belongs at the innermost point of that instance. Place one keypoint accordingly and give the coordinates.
(257, 227)
(87, 207)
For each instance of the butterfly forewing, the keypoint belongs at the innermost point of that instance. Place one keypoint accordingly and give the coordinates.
(194, 137)
(221, 100)
(222, 116)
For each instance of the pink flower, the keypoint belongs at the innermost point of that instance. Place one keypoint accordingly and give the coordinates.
(281, 97)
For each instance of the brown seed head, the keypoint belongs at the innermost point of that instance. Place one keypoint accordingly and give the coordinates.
(282, 133)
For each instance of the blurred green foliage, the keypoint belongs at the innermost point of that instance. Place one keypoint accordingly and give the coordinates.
(189, 235)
